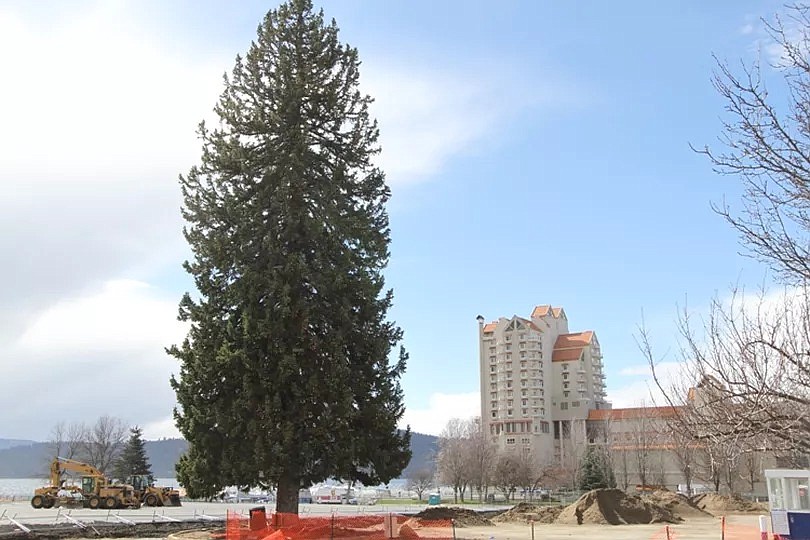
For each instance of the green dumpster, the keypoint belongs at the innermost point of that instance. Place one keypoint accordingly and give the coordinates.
(434, 498)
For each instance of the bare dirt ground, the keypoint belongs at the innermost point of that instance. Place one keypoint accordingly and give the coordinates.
(744, 527)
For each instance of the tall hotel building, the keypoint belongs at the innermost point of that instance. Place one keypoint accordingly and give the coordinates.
(539, 382)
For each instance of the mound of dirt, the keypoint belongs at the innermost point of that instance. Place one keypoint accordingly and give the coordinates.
(462, 516)
(614, 507)
(525, 512)
(719, 504)
(680, 505)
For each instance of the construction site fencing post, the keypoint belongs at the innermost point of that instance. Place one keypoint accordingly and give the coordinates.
(532, 523)
(332, 528)
(723, 528)
(453, 524)
(763, 527)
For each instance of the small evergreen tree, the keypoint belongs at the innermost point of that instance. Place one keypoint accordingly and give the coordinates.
(133, 459)
(595, 471)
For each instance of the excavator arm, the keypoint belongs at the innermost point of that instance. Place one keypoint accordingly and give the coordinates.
(60, 465)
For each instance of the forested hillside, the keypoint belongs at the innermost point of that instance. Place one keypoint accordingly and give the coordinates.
(28, 459)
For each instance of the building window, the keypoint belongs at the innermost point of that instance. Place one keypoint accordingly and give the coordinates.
(544, 427)
(508, 393)
(510, 440)
(509, 412)
(523, 392)
(575, 403)
(564, 406)
(509, 403)
(509, 384)
(565, 367)
(565, 385)
(565, 376)
(525, 412)
(494, 414)
(525, 440)
(492, 369)
(524, 402)
(565, 393)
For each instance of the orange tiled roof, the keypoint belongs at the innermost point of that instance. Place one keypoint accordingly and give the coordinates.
(490, 327)
(631, 413)
(569, 347)
(541, 311)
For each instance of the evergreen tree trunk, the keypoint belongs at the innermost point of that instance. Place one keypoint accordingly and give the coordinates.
(287, 494)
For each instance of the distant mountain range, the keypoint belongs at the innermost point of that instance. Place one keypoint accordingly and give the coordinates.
(29, 459)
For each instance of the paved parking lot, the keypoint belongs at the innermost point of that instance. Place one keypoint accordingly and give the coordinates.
(24, 513)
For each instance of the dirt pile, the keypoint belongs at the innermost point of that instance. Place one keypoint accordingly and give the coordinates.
(680, 505)
(462, 516)
(525, 512)
(718, 504)
(614, 507)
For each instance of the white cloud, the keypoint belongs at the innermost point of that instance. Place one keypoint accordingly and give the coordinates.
(635, 387)
(99, 116)
(161, 429)
(98, 95)
(429, 116)
(440, 409)
(747, 29)
(125, 315)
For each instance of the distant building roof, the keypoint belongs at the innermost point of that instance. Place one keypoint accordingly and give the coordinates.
(569, 347)
(632, 413)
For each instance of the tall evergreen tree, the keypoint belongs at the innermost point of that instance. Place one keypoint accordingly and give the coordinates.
(133, 458)
(285, 377)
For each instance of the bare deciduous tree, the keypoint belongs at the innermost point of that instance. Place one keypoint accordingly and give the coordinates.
(481, 454)
(420, 481)
(67, 440)
(508, 474)
(642, 436)
(766, 147)
(103, 442)
(710, 468)
(749, 356)
(752, 468)
(453, 458)
(684, 449)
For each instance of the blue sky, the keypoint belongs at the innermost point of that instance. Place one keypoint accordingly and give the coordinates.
(538, 153)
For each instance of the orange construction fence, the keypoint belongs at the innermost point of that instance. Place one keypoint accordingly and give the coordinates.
(278, 526)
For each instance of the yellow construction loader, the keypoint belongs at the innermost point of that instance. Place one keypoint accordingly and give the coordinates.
(151, 495)
(96, 490)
